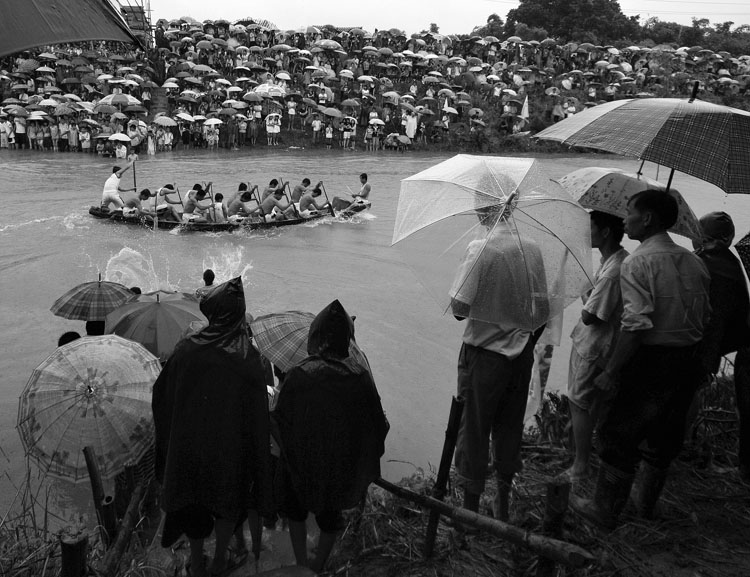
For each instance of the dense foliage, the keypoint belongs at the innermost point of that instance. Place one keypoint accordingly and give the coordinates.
(602, 22)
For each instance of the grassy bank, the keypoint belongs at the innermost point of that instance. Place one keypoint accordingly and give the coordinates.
(702, 526)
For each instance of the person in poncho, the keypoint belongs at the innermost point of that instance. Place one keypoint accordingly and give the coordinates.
(212, 430)
(332, 431)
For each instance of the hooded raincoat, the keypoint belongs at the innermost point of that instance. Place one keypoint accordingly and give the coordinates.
(211, 415)
(330, 419)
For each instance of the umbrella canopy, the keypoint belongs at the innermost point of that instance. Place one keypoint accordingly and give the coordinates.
(94, 391)
(120, 137)
(282, 338)
(516, 245)
(91, 301)
(609, 189)
(705, 140)
(157, 320)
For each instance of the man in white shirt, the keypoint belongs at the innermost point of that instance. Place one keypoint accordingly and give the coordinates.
(112, 189)
(500, 291)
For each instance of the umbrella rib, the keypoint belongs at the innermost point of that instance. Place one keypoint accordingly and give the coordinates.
(546, 228)
(62, 436)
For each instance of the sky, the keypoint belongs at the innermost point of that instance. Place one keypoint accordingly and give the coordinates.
(452, 17)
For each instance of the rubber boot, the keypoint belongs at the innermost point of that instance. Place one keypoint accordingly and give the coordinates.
(647, 488)
(612, 492)
(501, 504)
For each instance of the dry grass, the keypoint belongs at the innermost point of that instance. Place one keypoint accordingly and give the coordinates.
(702, 526)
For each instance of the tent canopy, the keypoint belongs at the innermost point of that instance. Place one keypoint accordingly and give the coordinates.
(29, 23)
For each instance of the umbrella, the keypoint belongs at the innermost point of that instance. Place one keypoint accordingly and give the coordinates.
(94, 391)
(608, 190)
(91, 301)
(282, 338)
(120, 137)
(516, 245)
(157, 320)
(705, 140)
(165, 121)
(213, 121)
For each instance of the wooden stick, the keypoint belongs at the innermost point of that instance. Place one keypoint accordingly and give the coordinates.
(109, 563)
(559, 551)
(558, 492)
(109, 520)
(73, 556)
(97, 490)
(438, 491)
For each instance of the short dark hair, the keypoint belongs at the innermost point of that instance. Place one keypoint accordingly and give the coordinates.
(208, 276)
(218, 197)
(246, 196)
(116, 169)
(136, 290)
(615, 224)
(68, 337)
(242, 186)
(306, 181)
(145, 193)
(657, 202)
(363, 175)
(94, 328)
(273, 182)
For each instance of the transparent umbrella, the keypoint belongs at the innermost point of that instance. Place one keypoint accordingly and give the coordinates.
(494, 239)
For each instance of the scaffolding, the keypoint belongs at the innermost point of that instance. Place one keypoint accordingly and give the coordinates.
(137, 15)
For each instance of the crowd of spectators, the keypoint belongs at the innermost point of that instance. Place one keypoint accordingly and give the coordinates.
(216, 84)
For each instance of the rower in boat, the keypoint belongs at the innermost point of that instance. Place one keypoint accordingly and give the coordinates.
(167, 210)
(134, 206)
(359, 199)
(273, 209)
(308, 205)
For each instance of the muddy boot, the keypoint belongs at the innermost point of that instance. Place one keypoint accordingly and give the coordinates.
(501, 504)
(647, 488)
(612, 492)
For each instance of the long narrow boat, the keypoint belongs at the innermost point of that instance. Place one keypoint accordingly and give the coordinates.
(148, 222)
(247, 224)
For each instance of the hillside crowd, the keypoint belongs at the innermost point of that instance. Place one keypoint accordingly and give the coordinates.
(249, 84)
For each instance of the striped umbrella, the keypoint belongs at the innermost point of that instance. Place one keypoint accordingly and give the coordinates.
(94, 391)
(705, 140)
(282, 338)
(91, 301)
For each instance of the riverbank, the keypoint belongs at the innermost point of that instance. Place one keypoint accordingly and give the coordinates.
(701, 527)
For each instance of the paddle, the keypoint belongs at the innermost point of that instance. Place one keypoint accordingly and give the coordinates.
(330, 206)
(284, 186)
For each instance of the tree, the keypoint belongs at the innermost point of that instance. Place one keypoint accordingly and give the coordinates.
(600, 21)
(494, 27)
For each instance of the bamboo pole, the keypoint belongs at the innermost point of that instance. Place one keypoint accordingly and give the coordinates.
(107, 522)
(438, 491)
(559, 551)
(109, 563)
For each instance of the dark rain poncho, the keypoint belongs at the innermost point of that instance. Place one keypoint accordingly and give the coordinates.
(211, 415)
(330, 419)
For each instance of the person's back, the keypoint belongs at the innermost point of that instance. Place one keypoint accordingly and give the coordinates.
(332, 429)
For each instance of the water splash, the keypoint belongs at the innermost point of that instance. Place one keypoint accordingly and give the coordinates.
(132, 268)
(228, 264)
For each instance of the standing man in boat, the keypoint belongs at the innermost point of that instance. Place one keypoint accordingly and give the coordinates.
(342, 204)
(112, 188)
